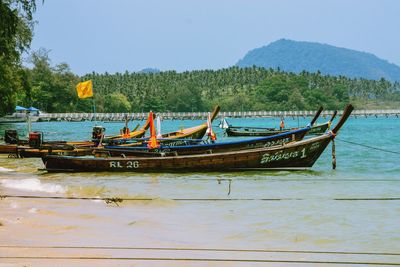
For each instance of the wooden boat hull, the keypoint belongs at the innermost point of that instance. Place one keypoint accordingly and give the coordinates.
(302, 154)
(53, 146)
(171, 139)
(243, 131)
(262, 131)
(136, 134)
(252, 131)
(319, 129)
(38, 153)
(268, 141)
(8, 148)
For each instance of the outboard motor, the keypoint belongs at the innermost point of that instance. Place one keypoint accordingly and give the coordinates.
(11, 137)
(35, 139)
(97, 134)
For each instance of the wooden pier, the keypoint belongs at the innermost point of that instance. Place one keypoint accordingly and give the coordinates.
(203, 115)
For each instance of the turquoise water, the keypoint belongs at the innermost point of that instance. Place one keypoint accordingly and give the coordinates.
(353, 160)
(307, 215)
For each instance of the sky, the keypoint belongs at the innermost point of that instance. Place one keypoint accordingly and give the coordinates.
(120, 35)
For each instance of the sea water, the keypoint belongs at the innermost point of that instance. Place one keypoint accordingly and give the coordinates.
(350, 209)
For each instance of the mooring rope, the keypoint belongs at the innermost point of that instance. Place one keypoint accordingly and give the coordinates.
(117, 200)
(199, 260)
(370, 147)
(206, 249)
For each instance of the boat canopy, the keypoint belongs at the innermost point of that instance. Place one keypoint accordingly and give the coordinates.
(19, 108)
(33, 109)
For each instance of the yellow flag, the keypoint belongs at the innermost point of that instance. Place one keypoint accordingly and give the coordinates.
(85, 89)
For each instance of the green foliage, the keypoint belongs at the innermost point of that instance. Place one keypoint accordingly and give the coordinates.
(116, 102)
(237, 89)
(15, 37)
(52, 88)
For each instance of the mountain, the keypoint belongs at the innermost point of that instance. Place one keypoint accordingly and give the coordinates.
(294, 56)
(150, 70)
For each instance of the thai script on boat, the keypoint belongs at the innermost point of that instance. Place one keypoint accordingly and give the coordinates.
(314, 146)
(280, 155)
(125, 164)
(270, 143)
(177, 143)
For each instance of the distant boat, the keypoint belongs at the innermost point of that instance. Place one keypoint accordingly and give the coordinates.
(233, 131)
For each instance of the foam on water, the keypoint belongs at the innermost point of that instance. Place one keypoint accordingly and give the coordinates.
(33, 185)
(2, 169)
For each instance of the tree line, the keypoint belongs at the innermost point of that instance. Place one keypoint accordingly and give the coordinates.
(234, 89)
(52, 89)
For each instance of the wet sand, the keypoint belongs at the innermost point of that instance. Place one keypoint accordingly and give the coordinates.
(307, 225)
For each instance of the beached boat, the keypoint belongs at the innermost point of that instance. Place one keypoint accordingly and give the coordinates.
(233, 131)
(35, 143)
(210, 147)
(24, 148)
(205, 146)
(296, 155)
(80, 148)
(8, 148)
(187, 149)
(45, 146)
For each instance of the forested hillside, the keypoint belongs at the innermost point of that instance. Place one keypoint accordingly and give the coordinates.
(52, 89)
(240, 89)
(296, 56)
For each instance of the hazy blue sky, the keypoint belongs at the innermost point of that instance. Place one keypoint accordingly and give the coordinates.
(119, 35)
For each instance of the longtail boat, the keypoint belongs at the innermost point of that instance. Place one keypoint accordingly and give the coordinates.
(234, 131)
(22, 148)
(296, 155)
(196, 132)
(192, 134)
(52, 145)
(17, 146)
(323, 127)
(207, 147)
(127, 134)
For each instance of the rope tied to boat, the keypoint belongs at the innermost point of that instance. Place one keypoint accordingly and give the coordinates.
(370, 147)
(333, 154)
(114, 200)
(333, 135)
(395, 198)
